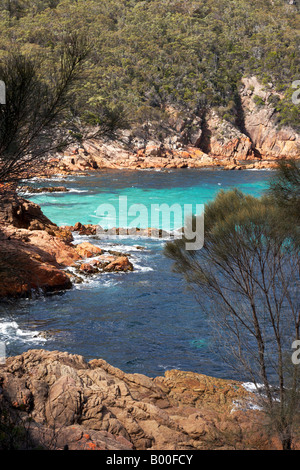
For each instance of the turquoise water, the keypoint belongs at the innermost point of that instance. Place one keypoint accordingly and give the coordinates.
(146, 321)
(182, 187)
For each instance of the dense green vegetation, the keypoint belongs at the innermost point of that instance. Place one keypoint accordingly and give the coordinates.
(148, 56)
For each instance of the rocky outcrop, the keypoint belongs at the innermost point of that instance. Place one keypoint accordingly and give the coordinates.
(98, 154)
(90, 229)
(203, 141)
(225, 140)
(75, 404)
(31, 255)
(268, 141)
(34, 252)
(121, 263)
(230, 150)
(32, 260)
(49, 189)
(21, 213)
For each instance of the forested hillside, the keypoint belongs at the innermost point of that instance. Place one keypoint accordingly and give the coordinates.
(148, 57)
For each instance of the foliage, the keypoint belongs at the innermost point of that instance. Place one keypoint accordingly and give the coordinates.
(31, 122)
(13, 432)
(285, 192)
(183, 54)
(247, 274)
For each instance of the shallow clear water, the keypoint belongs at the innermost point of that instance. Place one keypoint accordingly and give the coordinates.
(141, 187)
(145, 321)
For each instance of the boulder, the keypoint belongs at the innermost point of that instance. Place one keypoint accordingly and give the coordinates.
(88, 229)
(88, 268)
(121, 263)
(25, 214)
(79, 405)
(87, 250)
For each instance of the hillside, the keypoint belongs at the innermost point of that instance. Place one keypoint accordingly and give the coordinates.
(170, 68)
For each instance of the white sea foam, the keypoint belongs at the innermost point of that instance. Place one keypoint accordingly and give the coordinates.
(141, 269)
(122, 248)
(248, 404)
(251, 402)
(169, 367)
(71, 190)
(11, 331)
(52, 178)
(51, 193)
(170, 235)
(251, 387)
(95, 281)
(260, 169)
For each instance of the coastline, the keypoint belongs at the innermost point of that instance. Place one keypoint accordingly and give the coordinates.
(95, 155)
(48, 261)
(96, 406)
(149, 228)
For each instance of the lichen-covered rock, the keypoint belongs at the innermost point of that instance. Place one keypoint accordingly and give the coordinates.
(95, 405)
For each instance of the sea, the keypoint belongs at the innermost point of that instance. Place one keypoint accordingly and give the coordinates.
(146, 321)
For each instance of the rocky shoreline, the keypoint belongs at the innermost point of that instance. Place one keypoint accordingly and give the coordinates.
(209, 141)
(96, 155)
(54, 400)
(38, 256)
(47, 259)
(57, 400)
(61, 401)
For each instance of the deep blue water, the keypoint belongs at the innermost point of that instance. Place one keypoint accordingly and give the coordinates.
(146, 321)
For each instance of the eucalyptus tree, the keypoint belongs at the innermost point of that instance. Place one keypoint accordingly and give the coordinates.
(247, 274)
